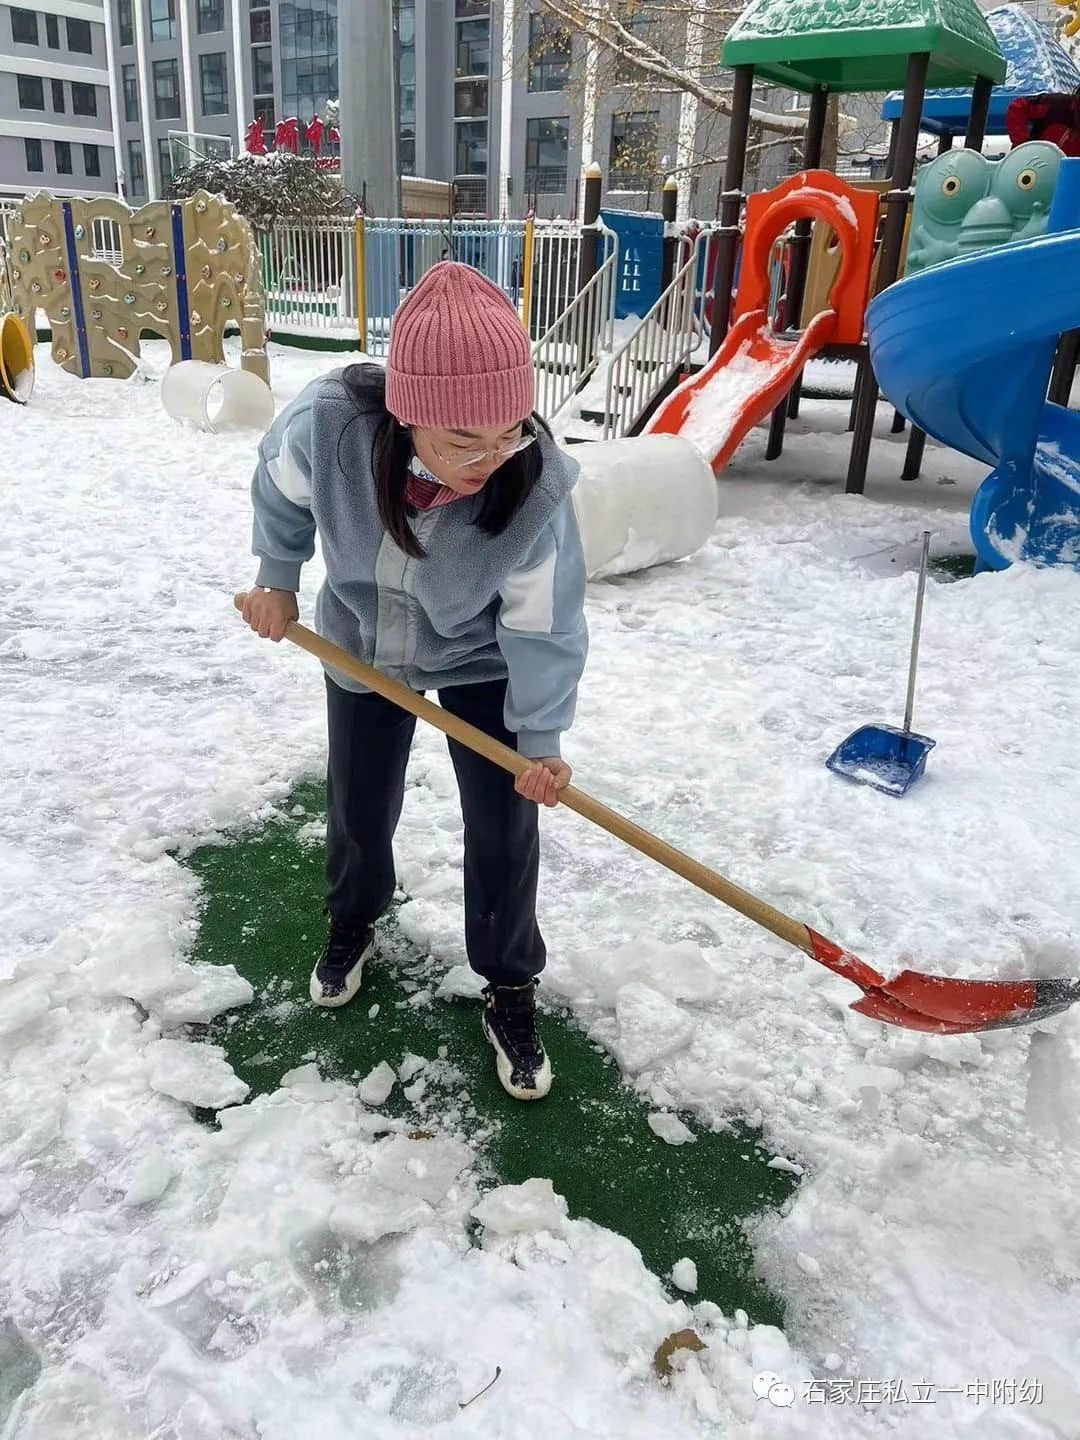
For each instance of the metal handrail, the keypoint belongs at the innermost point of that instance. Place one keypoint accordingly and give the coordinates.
(567, 354)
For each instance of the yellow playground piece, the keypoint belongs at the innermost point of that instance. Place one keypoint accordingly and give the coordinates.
(1072, 26)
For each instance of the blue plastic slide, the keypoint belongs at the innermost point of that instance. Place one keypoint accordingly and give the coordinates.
(965, 349)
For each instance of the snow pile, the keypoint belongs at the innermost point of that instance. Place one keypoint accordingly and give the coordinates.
(641, 502)
(304, 1267)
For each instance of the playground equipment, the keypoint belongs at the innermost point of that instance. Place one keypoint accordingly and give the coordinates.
(16, 360)
(104, 274)
(217, 398)
(965, 349)
(938, 1004)
(882, 756)
(642, 502)
(1035, 63)
(863, 45)
(1073, 26)
(965, 202)
(753, 370)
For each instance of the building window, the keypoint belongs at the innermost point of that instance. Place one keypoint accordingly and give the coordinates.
(31, 92)
(262, 70)
(471, 150)
(127, 23)
(464, 9)
(473, 48)
(470, 99)
(167, 89)
(24, 29)
(35, 162)
(406, 45)
(63, 157)
(214, 78)
(83, 99)
(307, 37)
(261, 31)
(136, 168)
(52, 32)
(79, 38)
(58, 96)
(91, 161)
(131, 91)
(634, 136)
(162, 19)
(264, 113)
(549, 53)
(211, 16)
(547, 146)
(164, 157)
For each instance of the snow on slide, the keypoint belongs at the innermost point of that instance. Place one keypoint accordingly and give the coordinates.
(716, 406)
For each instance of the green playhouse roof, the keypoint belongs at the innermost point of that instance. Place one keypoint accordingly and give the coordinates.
(863, 44)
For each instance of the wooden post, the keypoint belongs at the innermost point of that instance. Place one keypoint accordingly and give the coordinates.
(669, 209)
(527, 277)
(892, 241)
(727, 244)
(590, 238)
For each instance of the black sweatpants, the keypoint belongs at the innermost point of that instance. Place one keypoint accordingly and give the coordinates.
(365, 787)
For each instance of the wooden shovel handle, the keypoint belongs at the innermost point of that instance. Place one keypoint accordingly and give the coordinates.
(610, 820)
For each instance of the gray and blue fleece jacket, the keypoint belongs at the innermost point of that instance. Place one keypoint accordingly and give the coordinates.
(478, 607)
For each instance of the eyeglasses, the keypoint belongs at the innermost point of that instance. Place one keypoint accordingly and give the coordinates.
(460, 458)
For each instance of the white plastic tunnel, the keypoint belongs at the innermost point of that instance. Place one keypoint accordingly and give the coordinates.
(216, 398)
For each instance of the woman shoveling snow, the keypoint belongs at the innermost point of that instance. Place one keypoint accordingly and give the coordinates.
(453, 563)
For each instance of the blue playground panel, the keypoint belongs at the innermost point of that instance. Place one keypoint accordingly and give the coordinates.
(1035, 63)
(641, 260)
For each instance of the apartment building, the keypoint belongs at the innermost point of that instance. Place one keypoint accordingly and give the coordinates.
(57, 106)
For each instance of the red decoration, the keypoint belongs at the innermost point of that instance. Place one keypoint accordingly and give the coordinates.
(60, 275)
(256, 139)
(333, 135)
(314, 134)
(287, 135)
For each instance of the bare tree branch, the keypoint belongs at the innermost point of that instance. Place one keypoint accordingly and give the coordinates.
(597, 20)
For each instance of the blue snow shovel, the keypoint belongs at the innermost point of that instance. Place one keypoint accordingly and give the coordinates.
(881, 755)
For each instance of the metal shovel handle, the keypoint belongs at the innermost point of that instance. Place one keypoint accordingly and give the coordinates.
(916, 632)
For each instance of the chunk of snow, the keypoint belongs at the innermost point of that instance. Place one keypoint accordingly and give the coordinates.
(148, 1178)
(684, 1274)
(420, 1167)
(679, 970)
(213, 990)
(460, 982)
(521, 1209)
(650, 1027)
(808, 1265)
(21, 1003)
(193, 1072)
(376, 1085)
(367, 1212)
(670, 1128)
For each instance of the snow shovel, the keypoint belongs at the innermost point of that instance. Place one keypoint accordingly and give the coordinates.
(882, 756)
(940, 1004)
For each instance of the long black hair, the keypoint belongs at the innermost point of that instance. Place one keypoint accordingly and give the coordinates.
(392, 452)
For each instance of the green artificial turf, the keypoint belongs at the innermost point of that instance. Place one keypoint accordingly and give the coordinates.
(590, 1137)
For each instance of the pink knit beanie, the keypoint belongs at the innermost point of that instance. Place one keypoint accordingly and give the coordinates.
(459, 355)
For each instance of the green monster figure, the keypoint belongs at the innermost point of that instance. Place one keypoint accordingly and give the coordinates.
(964, 202)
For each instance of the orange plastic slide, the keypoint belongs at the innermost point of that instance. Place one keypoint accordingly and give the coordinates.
(742, 384)
(753, 370)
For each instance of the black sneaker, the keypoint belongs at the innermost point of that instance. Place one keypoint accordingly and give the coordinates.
(340, 969)
(509, 1021)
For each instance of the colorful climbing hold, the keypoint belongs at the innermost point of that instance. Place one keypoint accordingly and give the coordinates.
(129, 299)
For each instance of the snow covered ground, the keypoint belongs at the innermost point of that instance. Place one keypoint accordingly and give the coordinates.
(303, 1271)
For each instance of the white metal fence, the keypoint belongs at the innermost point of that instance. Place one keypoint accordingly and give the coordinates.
(569, 351)
(665, 339)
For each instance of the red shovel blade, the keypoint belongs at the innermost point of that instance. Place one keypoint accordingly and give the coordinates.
(983, 1004)
(878, 1006)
